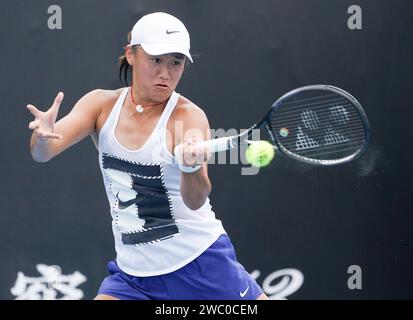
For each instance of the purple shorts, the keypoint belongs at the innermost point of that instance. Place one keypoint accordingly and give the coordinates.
(214, 275)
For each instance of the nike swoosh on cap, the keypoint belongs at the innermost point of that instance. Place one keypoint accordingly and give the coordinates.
(170, 32)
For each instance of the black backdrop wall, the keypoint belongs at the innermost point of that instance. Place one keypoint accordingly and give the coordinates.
(287, 222)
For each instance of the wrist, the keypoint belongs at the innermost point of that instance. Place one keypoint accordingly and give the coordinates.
(189, 169)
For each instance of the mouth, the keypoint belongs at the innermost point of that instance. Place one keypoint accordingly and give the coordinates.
(161, 86)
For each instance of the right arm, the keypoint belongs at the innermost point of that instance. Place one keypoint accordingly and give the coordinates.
(50, 138)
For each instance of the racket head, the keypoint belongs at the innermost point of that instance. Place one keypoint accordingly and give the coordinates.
(319, 125)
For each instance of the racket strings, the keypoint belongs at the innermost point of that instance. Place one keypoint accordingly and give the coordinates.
(313, 98)
(337, 108)
(299, 104)
(354, 132)
(332, 152)
(326, 127)
(331, 149)
(312, 120)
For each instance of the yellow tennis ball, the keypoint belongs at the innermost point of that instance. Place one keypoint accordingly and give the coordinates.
(260, 153)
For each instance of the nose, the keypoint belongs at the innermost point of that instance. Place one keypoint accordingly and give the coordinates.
(163, 72)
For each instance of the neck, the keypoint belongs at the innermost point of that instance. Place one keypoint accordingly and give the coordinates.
(149, 105)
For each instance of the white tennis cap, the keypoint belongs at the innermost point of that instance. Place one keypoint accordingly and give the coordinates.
(161, 33)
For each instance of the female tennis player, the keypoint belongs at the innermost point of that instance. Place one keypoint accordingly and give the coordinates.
(168, 242)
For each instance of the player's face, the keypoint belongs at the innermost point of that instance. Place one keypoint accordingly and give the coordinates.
(156, 77)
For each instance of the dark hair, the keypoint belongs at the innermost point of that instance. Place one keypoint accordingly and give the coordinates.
(124, 66)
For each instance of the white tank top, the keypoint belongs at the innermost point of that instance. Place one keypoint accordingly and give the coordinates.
(155, 232)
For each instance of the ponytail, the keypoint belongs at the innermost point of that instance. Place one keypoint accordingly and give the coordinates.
(124, 66)
(123, 69)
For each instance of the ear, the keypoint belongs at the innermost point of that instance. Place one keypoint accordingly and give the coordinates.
(130, 55)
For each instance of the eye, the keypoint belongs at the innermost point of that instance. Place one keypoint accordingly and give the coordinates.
(156, 60)
(176, 63)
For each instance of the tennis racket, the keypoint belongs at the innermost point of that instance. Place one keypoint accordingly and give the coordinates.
(317, 124)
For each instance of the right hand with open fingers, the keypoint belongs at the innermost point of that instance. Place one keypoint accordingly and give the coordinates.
(43, 123)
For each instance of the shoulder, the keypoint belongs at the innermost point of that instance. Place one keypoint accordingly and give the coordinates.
(101, 98)
(187, 119)
(98, 104)
(192, 118)
(186, 110)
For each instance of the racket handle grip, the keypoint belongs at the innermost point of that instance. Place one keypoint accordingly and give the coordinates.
(214, 145)
(217, 145)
